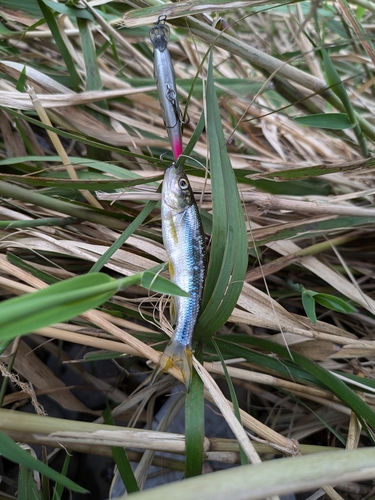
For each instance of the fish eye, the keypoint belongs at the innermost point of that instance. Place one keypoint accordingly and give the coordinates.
(183, 183)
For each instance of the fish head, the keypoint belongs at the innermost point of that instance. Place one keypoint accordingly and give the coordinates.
(177, 193)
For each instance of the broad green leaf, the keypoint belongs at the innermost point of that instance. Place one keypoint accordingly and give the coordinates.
(228, 255)
(333, 121)
(335, 303)
(10, 450)
(308, 302)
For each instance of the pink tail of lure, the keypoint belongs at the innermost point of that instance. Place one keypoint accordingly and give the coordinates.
(166, 85)
(183, 239)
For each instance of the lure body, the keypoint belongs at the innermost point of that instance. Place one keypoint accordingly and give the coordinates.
(184, 242)
(166, 85)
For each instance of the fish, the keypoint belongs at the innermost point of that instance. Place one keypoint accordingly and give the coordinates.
(166, 84)
(184, 241)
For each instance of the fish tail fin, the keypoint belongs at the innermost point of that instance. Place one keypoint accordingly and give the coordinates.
(175, 354)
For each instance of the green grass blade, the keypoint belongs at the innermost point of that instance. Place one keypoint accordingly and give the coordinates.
(67, 299)
(52, 24)
(125, 235)
(93, 81)
(333, 121)
(338, 88)
(10, 450)
(337, 435)
(194, 425)
(56, 303)
(228, 255)
(27, 487)
(121, 460)
(236, 408)
(193, 140)
(59, 488)
(336, 386)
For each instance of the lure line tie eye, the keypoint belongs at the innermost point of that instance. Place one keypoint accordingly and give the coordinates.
(161, 19)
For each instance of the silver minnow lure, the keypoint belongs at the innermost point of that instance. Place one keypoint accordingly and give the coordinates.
(166, 85)
(184, 242)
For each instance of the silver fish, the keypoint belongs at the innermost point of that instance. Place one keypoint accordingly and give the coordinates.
(166, 85)
(184, 242)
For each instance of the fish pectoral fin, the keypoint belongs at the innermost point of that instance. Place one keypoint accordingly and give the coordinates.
(178, 355)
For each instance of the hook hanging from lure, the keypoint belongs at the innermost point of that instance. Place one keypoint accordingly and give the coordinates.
(166, 84)
(184, 242)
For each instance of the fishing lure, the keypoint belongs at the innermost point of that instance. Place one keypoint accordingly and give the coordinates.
(184, 242)
(166, 84)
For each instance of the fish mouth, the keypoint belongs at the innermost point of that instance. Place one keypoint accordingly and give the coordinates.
(176, 169)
